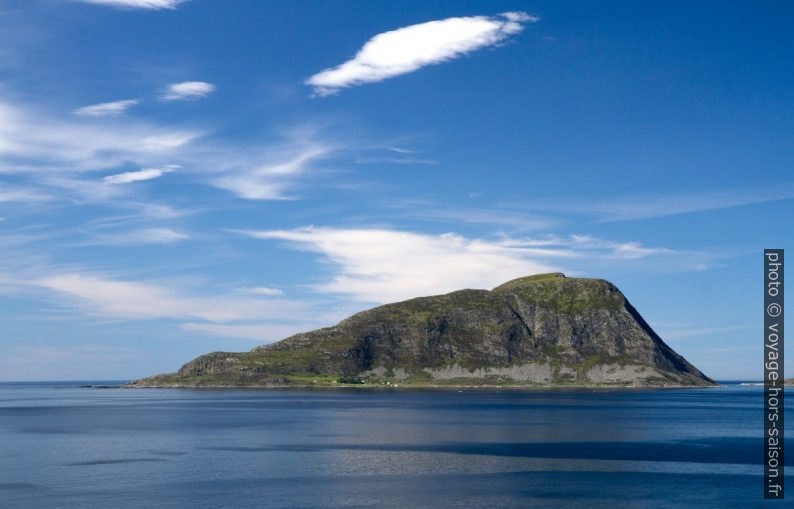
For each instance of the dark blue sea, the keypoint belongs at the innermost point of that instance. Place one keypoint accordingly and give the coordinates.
(63, 446)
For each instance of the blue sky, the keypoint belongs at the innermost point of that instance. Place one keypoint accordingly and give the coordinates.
(184, 177)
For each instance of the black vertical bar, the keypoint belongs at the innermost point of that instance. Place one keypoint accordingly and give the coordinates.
(773, 373)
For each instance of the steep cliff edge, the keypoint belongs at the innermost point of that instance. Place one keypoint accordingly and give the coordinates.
(543, 329)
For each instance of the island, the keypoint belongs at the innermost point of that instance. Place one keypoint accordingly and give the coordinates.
(541, 330)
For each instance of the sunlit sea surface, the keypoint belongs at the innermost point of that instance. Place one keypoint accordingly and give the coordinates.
(66, 446)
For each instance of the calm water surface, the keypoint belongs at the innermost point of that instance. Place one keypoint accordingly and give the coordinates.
(71, 447)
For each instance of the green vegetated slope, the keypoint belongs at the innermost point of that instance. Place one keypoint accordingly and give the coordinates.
(536, 330)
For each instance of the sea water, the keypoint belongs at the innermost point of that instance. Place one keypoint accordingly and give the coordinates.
(66, 446)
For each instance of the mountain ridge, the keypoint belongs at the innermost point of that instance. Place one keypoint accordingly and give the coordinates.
(546, 329)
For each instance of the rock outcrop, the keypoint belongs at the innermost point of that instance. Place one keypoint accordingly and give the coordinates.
(543, 329)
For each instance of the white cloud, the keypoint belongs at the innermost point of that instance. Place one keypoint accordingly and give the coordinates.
(142, 236)
(137, 4)
(145, 300)
(409, 48)
(261, 332)
(54, 153)
(34, 143)
(155, 236)
(271, 181)
(695, 332)
(379, 265)
(386, 265)
(139, 175)
(225, 314)
(187, 91)
(22, 195)
(663, 205)
(110, 109)
(264, 290)
(617, 250)
(394, 160)
(516, 220)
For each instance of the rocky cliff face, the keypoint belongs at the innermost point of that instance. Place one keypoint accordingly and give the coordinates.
(544, 329)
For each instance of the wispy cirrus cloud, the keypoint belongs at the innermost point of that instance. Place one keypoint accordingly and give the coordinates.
(137, 176)
(691, 331)
(21, 195)
(380, 265)
(220, 313)
(516, 221)
(648, 206)
(137, 4)
(132, 300)
(261, 332)
(273, 179)
(395, 160)
(409, 48)
(109, 109)
(581, 244)
(59, 154)
(187, 91)
(33, 142)
(142, 236)
(264, 290)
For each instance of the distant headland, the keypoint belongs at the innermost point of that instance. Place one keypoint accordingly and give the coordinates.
(540, 330)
